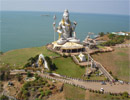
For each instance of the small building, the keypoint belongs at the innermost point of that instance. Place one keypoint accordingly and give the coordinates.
(82, 57)
(91, 43)
(120, 33)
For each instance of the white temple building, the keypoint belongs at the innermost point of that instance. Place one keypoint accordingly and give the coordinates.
(82, 57)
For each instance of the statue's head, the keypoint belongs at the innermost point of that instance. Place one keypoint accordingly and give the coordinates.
(66, 15)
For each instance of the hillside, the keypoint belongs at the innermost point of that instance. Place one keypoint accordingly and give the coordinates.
(117, 62)
(19, 57)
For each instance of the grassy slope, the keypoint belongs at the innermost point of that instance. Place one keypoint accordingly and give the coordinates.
(96, 96)
(73, 93)
(67, 67)
(116, 61)
(20, 56)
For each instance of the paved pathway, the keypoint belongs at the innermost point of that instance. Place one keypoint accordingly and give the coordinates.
(118, 88)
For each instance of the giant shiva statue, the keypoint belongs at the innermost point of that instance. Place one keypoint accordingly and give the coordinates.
(66, 30)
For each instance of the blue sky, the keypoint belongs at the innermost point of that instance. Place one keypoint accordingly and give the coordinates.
(83, 6)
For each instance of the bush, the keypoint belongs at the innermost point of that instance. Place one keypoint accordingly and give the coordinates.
(42, 93)
(29, 74)
(4, 74)
(49, 62)
(64, 56)
(31, 61)
(3, 97)
(101, 34)
(111, 36)
(110, 72)
(47, 92)
(127, 37)
(119, 39)
(38, 99)
(125, 95)
(19, 77)
(114, 39)
(40, 89)
(115, 77)
(90, 90)
(36, 76)
(108, 33)
(26, 85)
(44, 82)
(27, 65)
(47, 84)
(33, 89)
(1, 53)
(51, 66)
(25, 93)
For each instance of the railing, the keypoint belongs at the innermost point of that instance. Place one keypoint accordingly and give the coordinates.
(75, 59)
(122, 45)
(78, 85)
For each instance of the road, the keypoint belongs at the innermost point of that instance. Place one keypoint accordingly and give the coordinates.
(117, 88)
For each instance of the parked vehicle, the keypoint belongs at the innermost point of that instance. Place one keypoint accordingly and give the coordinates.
(103, 83)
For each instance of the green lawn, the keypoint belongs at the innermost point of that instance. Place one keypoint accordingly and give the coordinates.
(66, 66)
(100, 47)
(20, 56)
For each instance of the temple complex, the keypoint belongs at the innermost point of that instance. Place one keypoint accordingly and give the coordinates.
(67, 42)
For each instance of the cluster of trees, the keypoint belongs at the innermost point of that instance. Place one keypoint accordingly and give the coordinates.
(31, 61)
(1, 86)
(4, 74)
(120, 96)
(125, 95)
(1, 53)
(114, 39)
(29, 74)
(115, 77)
(3, 97)
(19, 77)
(101, 34)
(36, 85)
(51, 65)
(44, 93)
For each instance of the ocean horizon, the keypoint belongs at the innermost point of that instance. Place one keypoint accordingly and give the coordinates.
(24, 29)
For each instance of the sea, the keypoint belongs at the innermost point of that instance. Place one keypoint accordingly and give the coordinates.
(25, 29)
